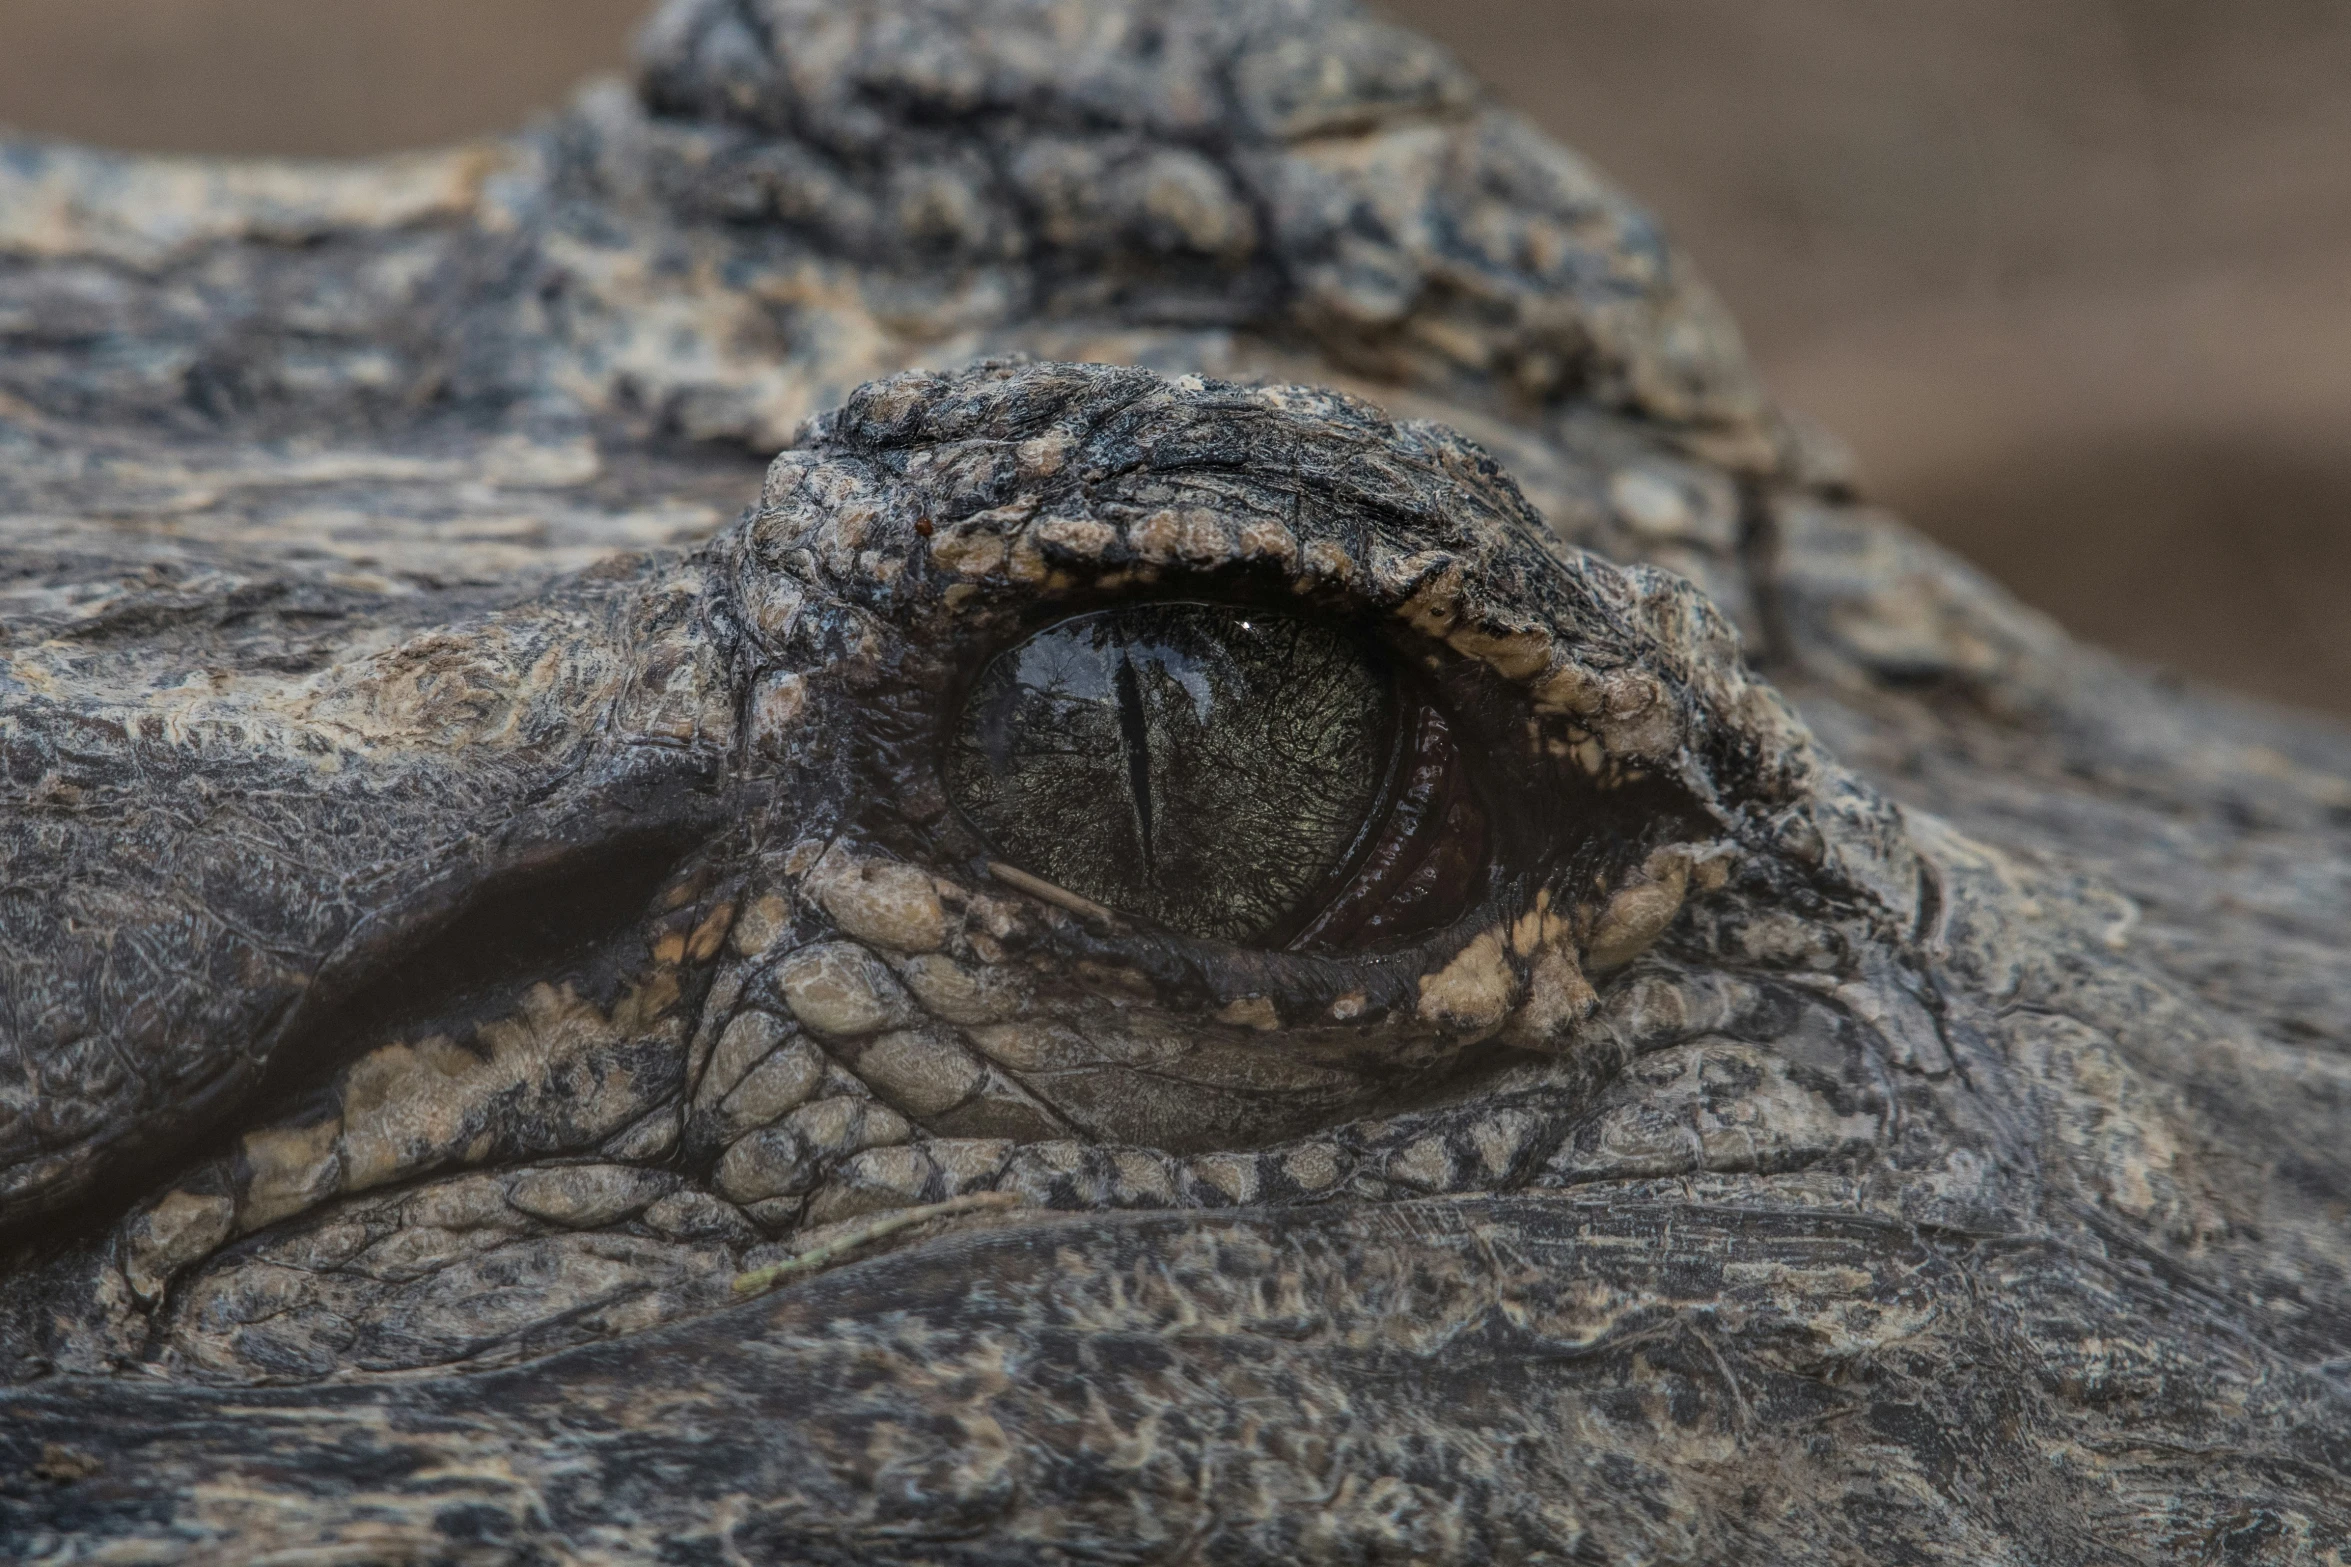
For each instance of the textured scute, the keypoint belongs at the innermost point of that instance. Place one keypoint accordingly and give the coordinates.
(1295, 165)
(479, 875)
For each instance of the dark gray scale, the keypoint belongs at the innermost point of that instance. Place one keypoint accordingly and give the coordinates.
(1205, 767)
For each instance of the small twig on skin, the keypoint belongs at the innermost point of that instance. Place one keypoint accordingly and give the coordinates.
(888, 1224)
(1060, 897)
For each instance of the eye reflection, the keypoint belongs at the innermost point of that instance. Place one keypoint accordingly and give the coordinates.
(1206, 768)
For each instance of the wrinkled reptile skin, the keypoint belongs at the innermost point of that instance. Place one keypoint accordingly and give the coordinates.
(472, 887)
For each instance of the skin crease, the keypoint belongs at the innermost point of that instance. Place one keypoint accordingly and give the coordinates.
(472, 889)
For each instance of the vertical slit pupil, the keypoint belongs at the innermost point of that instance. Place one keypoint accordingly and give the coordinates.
(1134, 732)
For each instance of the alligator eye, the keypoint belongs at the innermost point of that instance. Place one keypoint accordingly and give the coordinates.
(1224, 772)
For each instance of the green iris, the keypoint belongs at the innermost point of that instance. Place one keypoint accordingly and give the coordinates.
(1205, 767)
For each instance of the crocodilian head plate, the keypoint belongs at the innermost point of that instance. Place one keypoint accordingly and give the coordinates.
(1349, 998)
(1127, 967)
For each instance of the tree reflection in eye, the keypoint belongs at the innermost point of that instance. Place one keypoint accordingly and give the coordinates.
(1222, 772)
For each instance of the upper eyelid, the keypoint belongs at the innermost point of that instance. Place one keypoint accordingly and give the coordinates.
(1627, 673)
(983, 581)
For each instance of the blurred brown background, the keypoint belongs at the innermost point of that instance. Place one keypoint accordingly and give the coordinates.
(2072, 276)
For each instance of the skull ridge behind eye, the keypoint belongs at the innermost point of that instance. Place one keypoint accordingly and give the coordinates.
(1225, 772)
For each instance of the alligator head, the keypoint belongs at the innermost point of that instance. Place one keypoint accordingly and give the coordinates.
(1132, 964)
